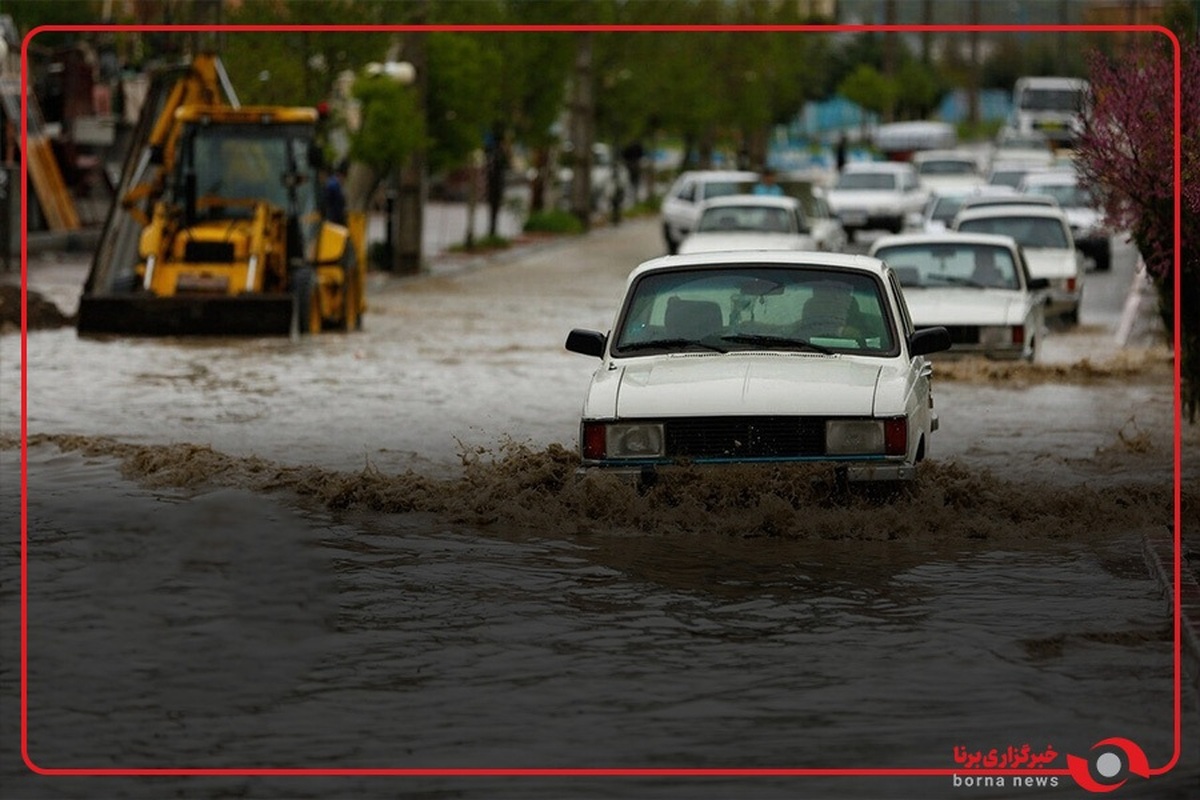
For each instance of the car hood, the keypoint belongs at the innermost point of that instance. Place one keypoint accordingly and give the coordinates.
(737, 384)
(959, 306)
(1045, 262)
(711, 242)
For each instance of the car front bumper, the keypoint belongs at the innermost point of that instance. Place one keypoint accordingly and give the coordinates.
(648, 474)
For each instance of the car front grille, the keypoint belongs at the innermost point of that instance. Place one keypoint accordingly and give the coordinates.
(744, 437)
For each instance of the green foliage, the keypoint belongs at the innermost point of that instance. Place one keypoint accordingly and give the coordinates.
(392, 125)
(869, 88)
(296, 68)
(460, 96)
(553, 222)
(917, 90)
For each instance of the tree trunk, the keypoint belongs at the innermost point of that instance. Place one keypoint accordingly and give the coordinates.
(583, 113)
(410, 200)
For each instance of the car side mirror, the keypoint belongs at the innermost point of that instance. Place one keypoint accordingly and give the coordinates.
(1038, 284)
(588, 343)
(928, 340)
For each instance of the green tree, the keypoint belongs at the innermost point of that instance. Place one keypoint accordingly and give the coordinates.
(869, 88)
(1126, 156)
(392, 127)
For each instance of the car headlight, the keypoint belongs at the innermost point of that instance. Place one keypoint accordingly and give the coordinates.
(864, 437)
(623, 440)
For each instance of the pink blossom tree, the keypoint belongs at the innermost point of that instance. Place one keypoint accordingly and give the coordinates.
(1126, 156)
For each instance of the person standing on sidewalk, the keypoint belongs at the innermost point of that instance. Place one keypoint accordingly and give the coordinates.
(766, 184)
(334, 194)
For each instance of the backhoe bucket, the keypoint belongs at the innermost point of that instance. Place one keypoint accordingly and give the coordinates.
(147, 315)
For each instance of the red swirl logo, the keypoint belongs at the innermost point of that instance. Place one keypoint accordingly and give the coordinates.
(1111, 763)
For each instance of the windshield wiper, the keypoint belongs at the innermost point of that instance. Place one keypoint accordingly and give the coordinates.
(658, 344)
(784, 341)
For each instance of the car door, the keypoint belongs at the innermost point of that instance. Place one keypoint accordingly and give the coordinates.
(679, 208)
(922, 420)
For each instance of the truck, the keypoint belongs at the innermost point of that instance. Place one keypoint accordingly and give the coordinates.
(219, 228)
(1052, 105)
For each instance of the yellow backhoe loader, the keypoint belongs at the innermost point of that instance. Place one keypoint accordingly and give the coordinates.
(218, 229)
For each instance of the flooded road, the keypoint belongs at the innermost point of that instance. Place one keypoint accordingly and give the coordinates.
(370, 551)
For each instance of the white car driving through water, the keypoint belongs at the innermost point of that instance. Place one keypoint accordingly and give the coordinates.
(760, 357)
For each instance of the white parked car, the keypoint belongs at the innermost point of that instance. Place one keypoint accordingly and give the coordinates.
(749, 222)
(748, 357)
(823, 225)
(1092, 236)
(1045, 238)
(682, 203)
(948, 170)
(974, 285)
(876, 194)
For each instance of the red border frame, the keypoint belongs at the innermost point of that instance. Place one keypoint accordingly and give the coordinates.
(587, 771)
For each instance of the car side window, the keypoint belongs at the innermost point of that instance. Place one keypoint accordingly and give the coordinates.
(687, 192)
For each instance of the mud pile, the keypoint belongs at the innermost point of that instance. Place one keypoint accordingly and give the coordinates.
(42, 314)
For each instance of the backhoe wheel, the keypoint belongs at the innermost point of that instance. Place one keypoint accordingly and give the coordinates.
(306, 318)
(351, 291)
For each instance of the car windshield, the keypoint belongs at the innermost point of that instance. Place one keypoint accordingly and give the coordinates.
(1035, 232)
(759, 219)
(964, 265)
(1068, 195)
(713, 189)
(1007, 177)
(947, 167)
(1017, 141)
(740, 307)
(944, 208)
(867, 181)
(1052, 100)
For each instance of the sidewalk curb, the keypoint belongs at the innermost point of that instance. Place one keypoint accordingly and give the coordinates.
(1159, 551)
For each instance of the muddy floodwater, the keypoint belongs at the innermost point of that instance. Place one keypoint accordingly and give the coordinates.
(372, 551)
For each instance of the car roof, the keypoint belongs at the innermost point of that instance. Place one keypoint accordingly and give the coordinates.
(784, 258)
(1012, 210)
(770, 200)
(945, 155)
(1054, 177)
(951, 237)
(718, 175)
(878, 166)
(1014, 198)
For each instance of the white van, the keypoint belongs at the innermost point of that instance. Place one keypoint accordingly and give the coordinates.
(1051, 105)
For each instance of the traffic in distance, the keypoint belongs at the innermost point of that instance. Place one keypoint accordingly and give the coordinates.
(797, 317)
